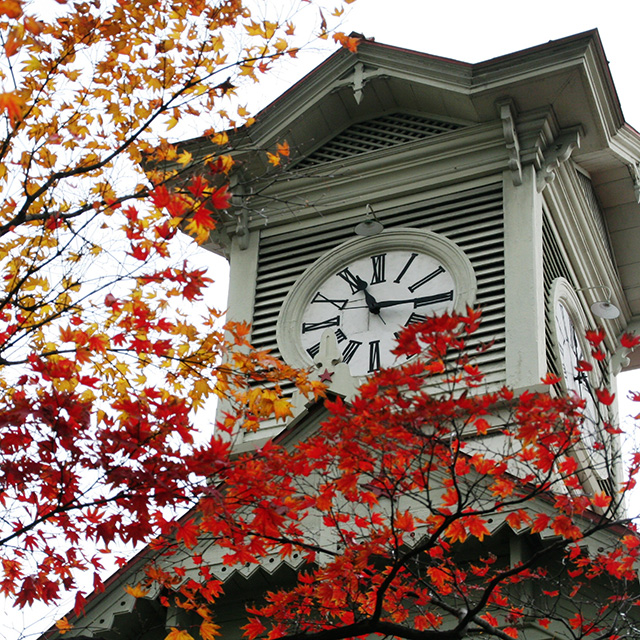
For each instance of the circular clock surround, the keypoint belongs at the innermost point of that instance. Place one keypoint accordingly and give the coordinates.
(568, 325)
(366, 289)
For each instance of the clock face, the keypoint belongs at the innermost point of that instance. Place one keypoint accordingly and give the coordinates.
(571, 350)
(367, 300)
(366, 290)
(570, 355)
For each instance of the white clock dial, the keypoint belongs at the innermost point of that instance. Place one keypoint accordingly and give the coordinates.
(367, 289)
(571, 355)
(572, 350)
(369, 299)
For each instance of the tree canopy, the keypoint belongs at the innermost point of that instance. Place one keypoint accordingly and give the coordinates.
(397, 509)
(427, 508)
(102, 361)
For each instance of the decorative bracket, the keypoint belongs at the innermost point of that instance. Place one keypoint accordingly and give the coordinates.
(634, 170)
(506, 110)
(358, 79)
(620, 357)
(331, 369)
(557, 153)
(242, 228)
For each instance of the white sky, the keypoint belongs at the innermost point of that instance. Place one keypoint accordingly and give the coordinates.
(471, 31)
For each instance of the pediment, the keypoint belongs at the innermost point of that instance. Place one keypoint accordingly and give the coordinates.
(570, 76)
(381, 132)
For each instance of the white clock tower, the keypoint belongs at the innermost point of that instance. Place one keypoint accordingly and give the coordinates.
(491, 182)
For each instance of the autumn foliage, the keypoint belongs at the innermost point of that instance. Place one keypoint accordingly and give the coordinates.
(428, 507)
(103, 361)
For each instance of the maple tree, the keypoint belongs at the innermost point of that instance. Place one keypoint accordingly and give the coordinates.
(428, 507)
(102, 364)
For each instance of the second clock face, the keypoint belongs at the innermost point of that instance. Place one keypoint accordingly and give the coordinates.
(366, 301)
(571, 354)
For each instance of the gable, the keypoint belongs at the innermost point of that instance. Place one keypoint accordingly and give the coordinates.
(378, 133)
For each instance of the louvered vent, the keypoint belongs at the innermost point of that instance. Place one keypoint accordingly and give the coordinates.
(473, 219)
(380, 133)
(595, 211)
(554, 266)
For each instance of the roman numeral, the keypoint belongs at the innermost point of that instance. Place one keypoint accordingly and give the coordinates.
(412, 257)
(378, 263)
(438, 297)
(323, 324)
(314, 350)
(350, 350)
(320, 297)
(414, 318)
(353, 281)
(374, 355)
(431, 276)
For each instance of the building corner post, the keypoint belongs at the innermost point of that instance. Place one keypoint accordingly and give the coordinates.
(524, 281)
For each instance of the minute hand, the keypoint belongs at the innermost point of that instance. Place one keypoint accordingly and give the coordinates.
(418, 302)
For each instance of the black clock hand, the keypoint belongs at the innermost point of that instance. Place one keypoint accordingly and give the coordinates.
(372, 304)
(417, 302)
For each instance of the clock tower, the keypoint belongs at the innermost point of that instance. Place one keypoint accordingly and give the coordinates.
(511, 185)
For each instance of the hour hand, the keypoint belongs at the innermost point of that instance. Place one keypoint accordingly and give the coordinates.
(372, 303)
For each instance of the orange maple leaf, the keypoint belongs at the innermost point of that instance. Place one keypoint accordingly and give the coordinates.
(63, 625)
(253, 628)
(283, 149)
(188, 533)
(456, 531)
(11, 9)
(476, 527)
(137, 591)
(209, 630)
(177, 634)
(10, 103)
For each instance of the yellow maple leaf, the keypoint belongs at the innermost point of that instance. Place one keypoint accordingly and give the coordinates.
(280, 44)
(274, 159)
(63, 625)
(282, 409)
(270, 29)
(209, 630)
(220, 138)
(247, 70)
(184, 158)
(255, 29)
(137, 591)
